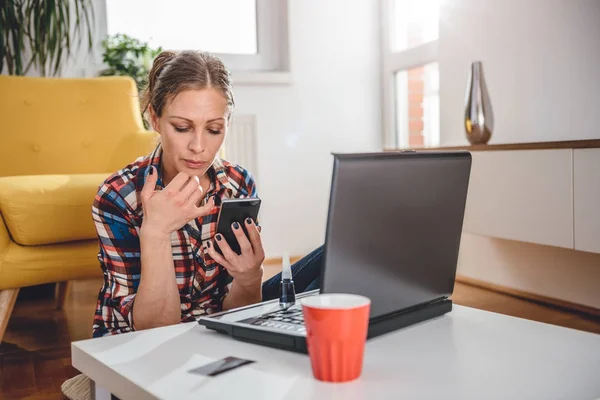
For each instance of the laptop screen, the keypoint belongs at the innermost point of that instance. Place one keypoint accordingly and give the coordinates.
(394, 227)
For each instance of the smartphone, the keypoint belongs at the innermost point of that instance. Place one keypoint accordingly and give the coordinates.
(235, 210)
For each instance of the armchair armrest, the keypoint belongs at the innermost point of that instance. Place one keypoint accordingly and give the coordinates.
(132, 146)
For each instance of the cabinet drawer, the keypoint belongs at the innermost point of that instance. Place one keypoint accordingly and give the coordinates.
(524, 195)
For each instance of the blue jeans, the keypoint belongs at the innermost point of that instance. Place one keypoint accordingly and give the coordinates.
(306, 274)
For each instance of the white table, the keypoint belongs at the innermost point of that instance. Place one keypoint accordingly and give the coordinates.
(466, 354)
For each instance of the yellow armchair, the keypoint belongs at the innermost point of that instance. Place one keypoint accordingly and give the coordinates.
(59, 139)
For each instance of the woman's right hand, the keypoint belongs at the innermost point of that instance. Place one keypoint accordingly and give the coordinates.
(167, 210)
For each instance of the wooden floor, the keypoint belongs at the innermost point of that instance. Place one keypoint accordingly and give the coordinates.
(35, 355)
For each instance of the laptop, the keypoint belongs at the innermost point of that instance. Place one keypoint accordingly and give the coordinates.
(393, 234)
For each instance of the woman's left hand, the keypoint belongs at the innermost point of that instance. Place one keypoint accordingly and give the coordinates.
(245, 268)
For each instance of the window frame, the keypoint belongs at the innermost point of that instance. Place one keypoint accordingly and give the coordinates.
(392, 62)
(272, 41)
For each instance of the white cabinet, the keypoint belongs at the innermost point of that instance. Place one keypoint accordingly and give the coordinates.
(523, 195)
(586, 194)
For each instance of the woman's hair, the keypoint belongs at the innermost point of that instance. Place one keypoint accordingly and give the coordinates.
(173, 73)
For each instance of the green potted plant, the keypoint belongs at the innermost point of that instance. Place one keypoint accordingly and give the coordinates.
(42, 34)
(129, 56)
(124, 55)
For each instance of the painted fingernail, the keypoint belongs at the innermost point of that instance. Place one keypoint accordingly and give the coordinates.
(208, 245)
(236, 225)
(249, 221)
(219, 237)
(151, 170)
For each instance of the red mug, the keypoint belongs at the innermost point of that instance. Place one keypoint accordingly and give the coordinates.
(336, 332)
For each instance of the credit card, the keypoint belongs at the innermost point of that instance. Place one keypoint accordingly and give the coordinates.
(220, 366)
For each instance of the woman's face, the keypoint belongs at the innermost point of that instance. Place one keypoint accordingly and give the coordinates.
(192, 129)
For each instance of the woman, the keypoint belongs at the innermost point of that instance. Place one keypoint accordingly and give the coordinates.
(156, 217)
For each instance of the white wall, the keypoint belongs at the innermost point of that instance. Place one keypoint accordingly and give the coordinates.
(333, 104)
(540, 58)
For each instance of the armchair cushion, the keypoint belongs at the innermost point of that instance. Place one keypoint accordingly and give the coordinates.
(49, 209)
(27, 266)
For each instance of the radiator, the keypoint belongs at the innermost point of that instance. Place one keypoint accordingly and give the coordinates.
(240, 143)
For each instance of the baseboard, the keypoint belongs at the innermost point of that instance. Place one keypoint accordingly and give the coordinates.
(562, 304)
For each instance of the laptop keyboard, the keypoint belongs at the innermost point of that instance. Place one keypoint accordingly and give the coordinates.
(291, 319)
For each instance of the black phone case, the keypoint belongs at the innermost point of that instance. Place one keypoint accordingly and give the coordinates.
(235, 210)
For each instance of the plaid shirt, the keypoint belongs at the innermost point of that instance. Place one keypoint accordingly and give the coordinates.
(117, 214)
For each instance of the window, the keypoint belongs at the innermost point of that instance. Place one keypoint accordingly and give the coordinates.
(417, 105)
(411, 75)
(161, 24)
(250, 35)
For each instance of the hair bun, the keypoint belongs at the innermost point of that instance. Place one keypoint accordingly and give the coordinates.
(158, 65)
